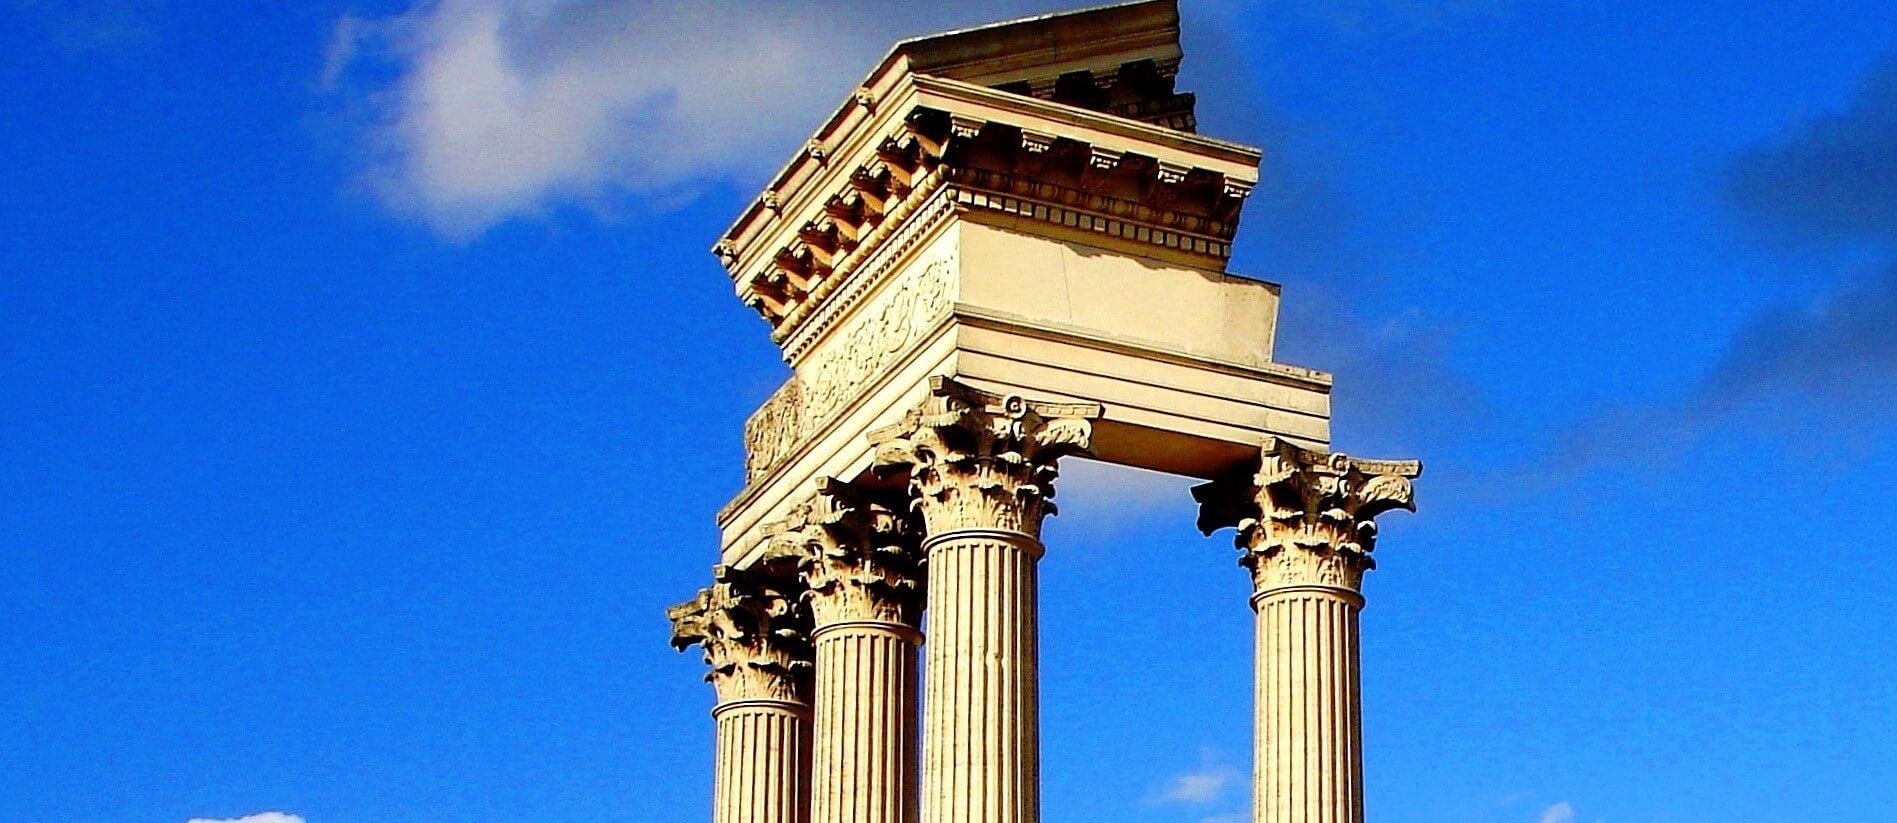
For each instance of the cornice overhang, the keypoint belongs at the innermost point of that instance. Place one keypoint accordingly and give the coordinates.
(1042, 47)
(1057, 134)
(932, 120)
(1099, 37)
(986, 148)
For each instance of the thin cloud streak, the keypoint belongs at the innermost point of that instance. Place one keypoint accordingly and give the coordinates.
(1107, 499)
(1830, 359)
(1396, 392)
(1203, 786)
(1832, 180)
(1558, 813)
(1200, 787)
(1831, 184)
(478, 111)
(261, 817)
(470, 113)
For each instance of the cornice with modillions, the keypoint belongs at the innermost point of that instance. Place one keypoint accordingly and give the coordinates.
(982, 163)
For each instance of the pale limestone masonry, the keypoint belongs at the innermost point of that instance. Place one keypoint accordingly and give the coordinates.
(754, 634)
(1006, 248)
(981, 469)
(1306, 524)
(857, 550)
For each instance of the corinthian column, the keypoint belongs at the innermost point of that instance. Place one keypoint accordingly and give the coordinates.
(1306, 525)
(981, 469)
(861, 566)
(754, 632)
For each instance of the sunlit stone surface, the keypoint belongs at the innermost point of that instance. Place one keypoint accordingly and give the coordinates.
(1008, 247)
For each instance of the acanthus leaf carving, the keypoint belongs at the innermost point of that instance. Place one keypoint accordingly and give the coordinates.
(1306, 517)
(754, 631)
(980, 460)
(866, 347)
(857, 550)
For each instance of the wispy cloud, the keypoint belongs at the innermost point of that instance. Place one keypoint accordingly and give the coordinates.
(1558, 813)
(1831, 180)
(1394, 378)
(1202, 786)
(482, 110)
(473, 112)
(1832, 183)
(1108, 497)
(1827, 189)
(260, 817)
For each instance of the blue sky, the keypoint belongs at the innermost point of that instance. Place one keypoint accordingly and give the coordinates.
(369, 391)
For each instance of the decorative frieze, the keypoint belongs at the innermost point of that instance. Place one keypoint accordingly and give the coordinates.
(755, 632)
(1305, 517)
(977, 460)
(863, 350)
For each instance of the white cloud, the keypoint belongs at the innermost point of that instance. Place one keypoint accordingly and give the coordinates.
(260, 817)
(473, 112)
(1558, 813)
(482, 110)
(1200, 787)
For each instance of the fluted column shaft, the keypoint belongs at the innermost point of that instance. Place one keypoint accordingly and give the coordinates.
(856, 550)
(981, 715)
(1308, 731)
(761, 766)
(754, 629)
(864, 766)
(981, 471)
(1306, 524)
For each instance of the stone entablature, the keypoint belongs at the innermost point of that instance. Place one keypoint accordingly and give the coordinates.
(981, 148)
(989, 260)
(862, 350)
(1006, 309)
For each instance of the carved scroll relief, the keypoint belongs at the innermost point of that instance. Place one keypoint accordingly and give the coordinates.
(867, 346)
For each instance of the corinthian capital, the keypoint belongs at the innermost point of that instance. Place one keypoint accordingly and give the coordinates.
(983, 461)
(1307, 517)
(755, 634)
(858, 552)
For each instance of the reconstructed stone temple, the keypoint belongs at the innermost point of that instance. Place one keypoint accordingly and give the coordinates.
(1007, 248)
